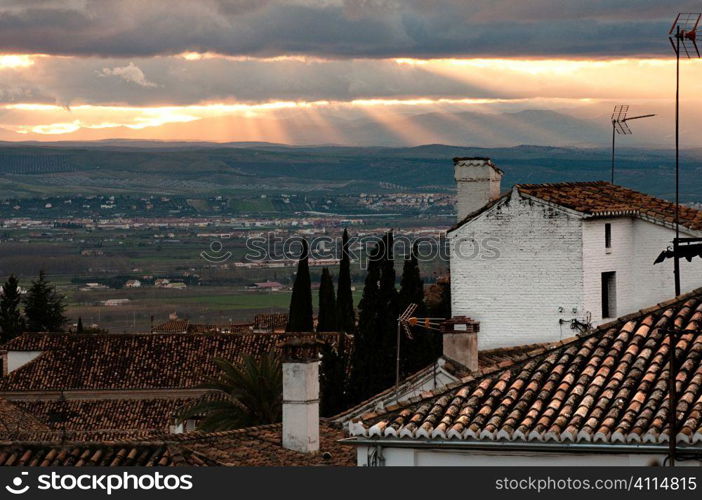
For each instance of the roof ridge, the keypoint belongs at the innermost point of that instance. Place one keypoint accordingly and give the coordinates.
(566, 183)
(200, 435)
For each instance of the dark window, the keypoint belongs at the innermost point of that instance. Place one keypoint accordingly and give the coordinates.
(609, 294)
(608, 235)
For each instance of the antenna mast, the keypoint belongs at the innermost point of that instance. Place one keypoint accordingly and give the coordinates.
(683, 34)
(620, 127)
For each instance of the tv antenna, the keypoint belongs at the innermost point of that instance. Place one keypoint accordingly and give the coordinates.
(404, 322)
(620, 127)
(683, 34)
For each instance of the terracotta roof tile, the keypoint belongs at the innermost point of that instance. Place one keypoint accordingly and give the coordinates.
(129, 361)
(608, 386)
(602, 199)
(487, 359)
(270, 322)
(109, 414)
(605, 199)
(33, 454)
(173, 326)
(14, 419)
(185, 326)
(252, 447)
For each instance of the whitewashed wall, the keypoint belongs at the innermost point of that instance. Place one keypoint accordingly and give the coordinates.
(598, 259)
(635, 245)
(15, 359)
(437, 457)
(526, 275)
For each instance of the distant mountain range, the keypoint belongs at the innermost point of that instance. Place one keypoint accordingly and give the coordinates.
(202, 169)
(394, 129)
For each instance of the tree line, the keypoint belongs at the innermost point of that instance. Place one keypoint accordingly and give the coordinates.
(40, 310)
(351, 375)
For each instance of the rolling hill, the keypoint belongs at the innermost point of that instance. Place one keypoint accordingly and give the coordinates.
(153, 167)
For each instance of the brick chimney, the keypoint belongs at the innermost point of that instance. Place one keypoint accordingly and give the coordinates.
(460, 338)
(301, 395)
(477, 183)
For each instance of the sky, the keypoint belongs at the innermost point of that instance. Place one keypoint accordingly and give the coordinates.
(342, 71)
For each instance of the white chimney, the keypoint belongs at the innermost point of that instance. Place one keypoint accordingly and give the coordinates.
(460, 339)
(301, 395)
(477, 183)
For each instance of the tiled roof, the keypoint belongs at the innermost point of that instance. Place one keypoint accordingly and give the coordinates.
(487, 359)
(185, 326)
(223, 328)
(35, 454)
(114, 414)
(270, 322)
(129, 361)
(603, 199)
(14, 419)
(84, 436)
(173, 326)
(608, 386)
(262, 446)
(253, 447)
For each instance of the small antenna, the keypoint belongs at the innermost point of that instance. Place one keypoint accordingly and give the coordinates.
(684, 32)
(404, 322)
(620, 127)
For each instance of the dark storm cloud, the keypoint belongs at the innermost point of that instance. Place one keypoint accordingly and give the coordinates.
(339, 29)
(176, 81)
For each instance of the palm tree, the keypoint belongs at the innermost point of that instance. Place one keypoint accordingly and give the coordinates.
(250, 393)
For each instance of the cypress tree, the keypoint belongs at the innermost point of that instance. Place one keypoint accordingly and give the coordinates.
(333, 378)
(361, 366)
(334, 360)
(386, 325)
(438, 303)
(326, 319)
(418, 351)
(438, 298)
(79, 326)
(412, 284)
(44, 307)
(373, 367)
(11, 320)
(346, 317)
(300, 315)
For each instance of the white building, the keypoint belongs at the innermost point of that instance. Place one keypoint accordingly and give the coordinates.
(115, 302)
(540, 262)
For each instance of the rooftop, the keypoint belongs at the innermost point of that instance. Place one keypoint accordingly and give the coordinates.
(603, 199)
(155, 414)
(270, 321)
(185, 326)
(262, 446)
(35, 454)
(252, 447)
(487, 360)
(14, 419)
(608, 386)
(129, 361)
